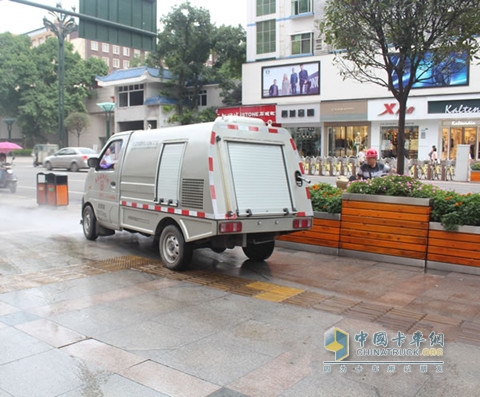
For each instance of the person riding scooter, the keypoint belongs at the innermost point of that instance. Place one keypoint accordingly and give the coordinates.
(7, 177)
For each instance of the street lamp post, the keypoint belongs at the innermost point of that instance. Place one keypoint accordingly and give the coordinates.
(108, 108)
(9, 123)
(62, 26)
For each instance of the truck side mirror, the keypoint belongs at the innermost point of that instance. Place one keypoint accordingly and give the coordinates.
(92, 162)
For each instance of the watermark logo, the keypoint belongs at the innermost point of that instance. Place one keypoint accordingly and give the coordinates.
(336, 341)
(382, 350)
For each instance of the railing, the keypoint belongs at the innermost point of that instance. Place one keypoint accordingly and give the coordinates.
(347, 166)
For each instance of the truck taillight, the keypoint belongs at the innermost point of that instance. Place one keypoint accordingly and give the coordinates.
(302, 223)
(230, 227)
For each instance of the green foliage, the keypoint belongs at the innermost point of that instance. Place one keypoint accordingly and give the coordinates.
(326, 198)
(76, 123)
(449, 208)
(186, 43)
(29, 83)
(475, 166)
(453, 209)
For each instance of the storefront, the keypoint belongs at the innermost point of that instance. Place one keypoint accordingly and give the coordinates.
(420, 132)
(460, 125)
(346, 126)
(303, 122)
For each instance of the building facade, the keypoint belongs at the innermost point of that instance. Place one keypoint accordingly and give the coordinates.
(329, 116)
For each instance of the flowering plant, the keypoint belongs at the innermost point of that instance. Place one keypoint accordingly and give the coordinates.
(393, 185)
(326, 198)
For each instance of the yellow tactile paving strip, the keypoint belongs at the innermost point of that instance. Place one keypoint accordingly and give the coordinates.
(466, 331)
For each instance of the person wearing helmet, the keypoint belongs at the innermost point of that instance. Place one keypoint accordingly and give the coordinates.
(372, 168)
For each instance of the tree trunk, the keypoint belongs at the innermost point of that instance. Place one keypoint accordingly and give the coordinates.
(401, 152)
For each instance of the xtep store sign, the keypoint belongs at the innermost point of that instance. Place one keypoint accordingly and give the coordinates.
(394, 109)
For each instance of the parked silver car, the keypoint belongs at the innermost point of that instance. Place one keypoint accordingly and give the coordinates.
(71, 158)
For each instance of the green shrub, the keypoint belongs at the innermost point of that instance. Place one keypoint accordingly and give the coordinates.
(475, 166)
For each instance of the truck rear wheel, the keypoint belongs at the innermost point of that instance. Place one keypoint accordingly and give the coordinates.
(89, 223)
(259, 252)
(174, 252)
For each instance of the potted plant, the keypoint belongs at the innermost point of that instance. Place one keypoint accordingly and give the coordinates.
(475, 172)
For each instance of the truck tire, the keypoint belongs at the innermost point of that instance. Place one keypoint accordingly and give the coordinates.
(259, 252)
(174, 252)
(89, 223)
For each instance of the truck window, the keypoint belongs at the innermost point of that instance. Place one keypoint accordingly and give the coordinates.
(111, 155)
(168, 176)
(259, 177)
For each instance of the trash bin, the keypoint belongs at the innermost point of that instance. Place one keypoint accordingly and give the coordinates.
(52, 189)
(41, 189)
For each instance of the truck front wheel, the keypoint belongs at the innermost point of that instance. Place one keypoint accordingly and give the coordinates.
(259, 252)
(174, 252)
(89, 223)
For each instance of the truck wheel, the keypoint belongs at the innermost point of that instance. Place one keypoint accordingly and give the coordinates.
(174, 253)
(259, 252)
(89, 222)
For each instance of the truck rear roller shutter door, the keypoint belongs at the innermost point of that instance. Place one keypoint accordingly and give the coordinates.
(259, 177)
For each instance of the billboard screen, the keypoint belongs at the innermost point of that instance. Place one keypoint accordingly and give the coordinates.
(453, 71)
(291, 80)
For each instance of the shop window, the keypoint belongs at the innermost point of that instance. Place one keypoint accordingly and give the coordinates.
(347, 141)
(389, 143)
(308, 141)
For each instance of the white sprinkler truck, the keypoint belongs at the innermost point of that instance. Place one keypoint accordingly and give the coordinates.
(232, 182)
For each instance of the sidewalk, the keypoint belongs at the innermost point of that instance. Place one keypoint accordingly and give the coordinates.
(105, 318)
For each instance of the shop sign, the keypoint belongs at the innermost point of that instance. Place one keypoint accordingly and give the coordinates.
(265, 112)
(393, 109)
(467, 106)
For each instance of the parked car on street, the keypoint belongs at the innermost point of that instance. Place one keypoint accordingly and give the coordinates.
(71, 158)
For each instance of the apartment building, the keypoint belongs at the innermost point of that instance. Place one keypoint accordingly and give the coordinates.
(334, 117)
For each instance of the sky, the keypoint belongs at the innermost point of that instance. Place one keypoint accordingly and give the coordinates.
(19, 18)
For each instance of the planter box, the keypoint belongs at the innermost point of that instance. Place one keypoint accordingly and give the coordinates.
(474, 176)
(385, 226)
(454, 250)
(324, 233)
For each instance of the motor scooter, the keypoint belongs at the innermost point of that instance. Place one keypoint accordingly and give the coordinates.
(8, 180)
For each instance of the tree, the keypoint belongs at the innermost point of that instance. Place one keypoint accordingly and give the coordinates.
(76, 122)
(16, 66)
(37, 110)
(184, 45)
(188, 44)
(397, 43)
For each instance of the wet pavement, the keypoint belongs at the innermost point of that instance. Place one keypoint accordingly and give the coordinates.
(104, 318)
